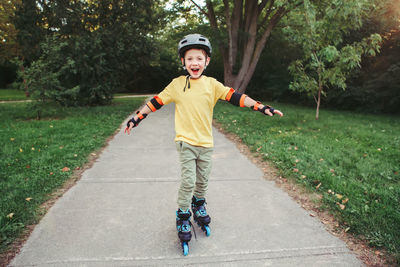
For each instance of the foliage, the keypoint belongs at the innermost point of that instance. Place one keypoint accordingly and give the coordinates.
(8, 34)
(324, 64)
(351, 159)
(30, 26)
(70, 72)
(90, 49)
(35, 154)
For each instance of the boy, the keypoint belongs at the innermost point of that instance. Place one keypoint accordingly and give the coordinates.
(195, 96)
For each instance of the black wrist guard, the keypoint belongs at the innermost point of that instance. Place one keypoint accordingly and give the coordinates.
(262, 110)
(136, 122)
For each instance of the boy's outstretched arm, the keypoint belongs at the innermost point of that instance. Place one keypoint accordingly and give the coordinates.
(265, 109)
(243, 100)
(154, 104)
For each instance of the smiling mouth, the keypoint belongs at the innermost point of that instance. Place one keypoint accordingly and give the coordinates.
(195, 70)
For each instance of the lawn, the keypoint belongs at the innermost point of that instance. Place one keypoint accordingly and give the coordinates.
(352, 160)
(11, 94)
(37, 157)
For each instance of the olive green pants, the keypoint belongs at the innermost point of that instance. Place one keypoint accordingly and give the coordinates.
(195, 170)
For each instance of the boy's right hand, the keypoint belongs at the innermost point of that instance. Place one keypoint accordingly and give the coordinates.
(134, 122)
(129, 127)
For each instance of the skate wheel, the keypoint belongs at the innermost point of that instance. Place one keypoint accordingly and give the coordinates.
(207, 230)
(185, 248)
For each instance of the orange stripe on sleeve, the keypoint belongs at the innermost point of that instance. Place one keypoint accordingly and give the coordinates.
(229, 95)
(159, 100)
(140, 116)
(150, 105)
(242, 98)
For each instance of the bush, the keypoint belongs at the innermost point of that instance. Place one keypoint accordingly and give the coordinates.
(71, 72)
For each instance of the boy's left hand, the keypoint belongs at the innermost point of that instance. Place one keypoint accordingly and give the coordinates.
(267, 110)
(278, 112)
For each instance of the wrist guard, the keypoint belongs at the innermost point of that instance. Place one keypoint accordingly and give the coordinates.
(136, 122)
(235, 99)
(256, 107)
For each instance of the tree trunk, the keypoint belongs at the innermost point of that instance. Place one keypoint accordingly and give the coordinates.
(318, 102)
(24, 81)
(249, 25)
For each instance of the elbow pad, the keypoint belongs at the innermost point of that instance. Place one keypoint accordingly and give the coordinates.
(234, 98)
(155, 103)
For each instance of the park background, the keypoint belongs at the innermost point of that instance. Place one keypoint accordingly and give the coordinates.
(335, 61)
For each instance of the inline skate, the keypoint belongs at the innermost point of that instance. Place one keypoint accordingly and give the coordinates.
(184, 228)
(200, 214)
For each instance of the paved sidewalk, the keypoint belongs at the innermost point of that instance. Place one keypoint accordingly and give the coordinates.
(122, 213)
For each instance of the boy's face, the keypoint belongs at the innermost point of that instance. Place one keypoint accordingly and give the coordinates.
(195, 61)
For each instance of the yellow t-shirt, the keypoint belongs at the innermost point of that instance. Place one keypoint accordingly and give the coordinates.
(194, 108)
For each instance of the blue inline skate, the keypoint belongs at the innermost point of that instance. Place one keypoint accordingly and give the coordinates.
(200, 214)
(184, 228)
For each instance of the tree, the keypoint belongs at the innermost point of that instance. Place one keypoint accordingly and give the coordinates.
(8, 34)
(91, 48)
(326, 61)
(28, 22)
(243, 28)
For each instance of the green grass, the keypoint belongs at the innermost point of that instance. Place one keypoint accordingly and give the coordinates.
(353, 160)
(11, 94)
(33, 154)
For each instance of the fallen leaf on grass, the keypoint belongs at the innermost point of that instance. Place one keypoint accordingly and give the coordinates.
(303, 177)
(341, 206)
(295, 170)
(12, 138)
(318, 186)
(347, 229)
(344, 201)
(10, 215)
(339, 196)
(28, 199)
(28, 166)
(65, 169)
(20, 150)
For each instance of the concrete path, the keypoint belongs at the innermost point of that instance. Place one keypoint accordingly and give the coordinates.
(122, 213)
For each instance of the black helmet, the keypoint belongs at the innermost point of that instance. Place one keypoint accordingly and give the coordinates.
(194, 41)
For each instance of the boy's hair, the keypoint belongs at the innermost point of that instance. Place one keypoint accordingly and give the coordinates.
(194, 41)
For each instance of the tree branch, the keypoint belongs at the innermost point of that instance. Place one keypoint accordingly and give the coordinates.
(269, 10)
(211, 14)
(260, 46)
(230, 39)
(262, 5)
(199, 7)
